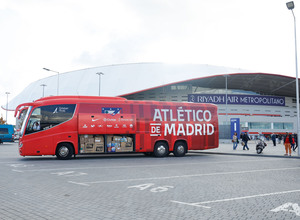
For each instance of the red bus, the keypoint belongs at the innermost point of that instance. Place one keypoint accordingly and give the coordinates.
(69, 125)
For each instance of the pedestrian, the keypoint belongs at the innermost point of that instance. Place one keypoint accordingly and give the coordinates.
(245, 139)
(296, 141)
(293, 142)
(279, 139)
(287, 140)
(273, 137)
(235, 141)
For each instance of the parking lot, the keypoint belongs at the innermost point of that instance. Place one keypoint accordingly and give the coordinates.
(134, 186)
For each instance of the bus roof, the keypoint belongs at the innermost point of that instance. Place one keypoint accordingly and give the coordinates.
(80, 97)
(86, 99)
(67, 98)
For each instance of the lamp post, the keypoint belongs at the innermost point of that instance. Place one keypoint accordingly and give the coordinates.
(43, 88)
(99, 73)
(7, 93)
(226, 96)
(57, 78)
(291, 6)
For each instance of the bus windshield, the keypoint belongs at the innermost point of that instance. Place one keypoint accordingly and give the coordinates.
(45, 117)
(24, 121)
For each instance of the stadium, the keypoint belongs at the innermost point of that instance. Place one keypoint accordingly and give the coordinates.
(261, 103)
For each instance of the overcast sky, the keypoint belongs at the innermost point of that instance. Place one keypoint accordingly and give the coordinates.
(66, 35)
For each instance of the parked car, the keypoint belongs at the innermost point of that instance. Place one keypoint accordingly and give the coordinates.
(6, 133)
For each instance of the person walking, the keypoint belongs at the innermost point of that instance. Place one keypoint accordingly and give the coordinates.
(245, 139)
(279, 139)
(235, 141)
(273, 137)
(287, 140)
(296, 141)
(293, 142)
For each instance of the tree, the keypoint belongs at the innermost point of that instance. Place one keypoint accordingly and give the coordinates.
(2, 121)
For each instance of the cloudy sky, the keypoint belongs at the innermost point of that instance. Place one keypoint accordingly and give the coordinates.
(66, 35)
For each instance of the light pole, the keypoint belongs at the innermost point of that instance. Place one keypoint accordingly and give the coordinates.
(43, 88)
(57, 78)
(226, 96)
(99, 73)
(7, 93)
(290, 6)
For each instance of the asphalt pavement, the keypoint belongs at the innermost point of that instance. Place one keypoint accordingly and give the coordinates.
(212, 184)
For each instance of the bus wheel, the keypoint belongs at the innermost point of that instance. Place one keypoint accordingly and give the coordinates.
(161, 149)
(179, 149)
(64, 151)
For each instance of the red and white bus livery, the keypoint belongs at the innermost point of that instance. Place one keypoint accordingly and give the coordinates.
(69, 125)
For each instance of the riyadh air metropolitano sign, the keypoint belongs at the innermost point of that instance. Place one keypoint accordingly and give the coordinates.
(237, 99)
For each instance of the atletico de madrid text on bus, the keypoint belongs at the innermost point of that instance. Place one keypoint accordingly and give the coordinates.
(182, 115)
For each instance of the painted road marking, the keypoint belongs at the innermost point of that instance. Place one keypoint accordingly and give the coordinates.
(19, 165)
(69, 173)
(234, 199)
(288, 207)
(152, 189)
(191, 204)
(82, 184)
(143, 166)
(186, 176)
(18, 171)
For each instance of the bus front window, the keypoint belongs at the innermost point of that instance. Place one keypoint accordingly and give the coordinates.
(45, 117)
(23, 123)
(34, 122)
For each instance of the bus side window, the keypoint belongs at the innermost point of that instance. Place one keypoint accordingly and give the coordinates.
(53, 115)
(45, 117)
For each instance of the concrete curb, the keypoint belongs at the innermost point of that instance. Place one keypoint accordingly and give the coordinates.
(252, 155)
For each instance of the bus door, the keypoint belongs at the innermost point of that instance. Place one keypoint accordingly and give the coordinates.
(44, 125)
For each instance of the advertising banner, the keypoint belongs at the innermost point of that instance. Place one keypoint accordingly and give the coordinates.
(233, 99)
(235, 126)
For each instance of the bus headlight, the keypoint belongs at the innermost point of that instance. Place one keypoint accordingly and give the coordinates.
(20, 144)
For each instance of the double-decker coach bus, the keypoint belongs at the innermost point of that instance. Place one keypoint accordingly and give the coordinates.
(69, 125)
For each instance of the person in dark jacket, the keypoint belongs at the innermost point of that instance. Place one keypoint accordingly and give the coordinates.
(296, 141)
(273, 137)
(287, 141)
(245, 139)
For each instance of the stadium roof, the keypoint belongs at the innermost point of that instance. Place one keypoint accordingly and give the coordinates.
(125, 79)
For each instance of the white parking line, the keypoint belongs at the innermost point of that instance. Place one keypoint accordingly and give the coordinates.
(191, 204)
(82, 184)
(199, 204)
(18, 171)
(143, 166)
(185, 176)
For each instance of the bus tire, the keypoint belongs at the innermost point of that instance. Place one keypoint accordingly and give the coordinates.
(161, 149)
(179, 149)
(64, 151)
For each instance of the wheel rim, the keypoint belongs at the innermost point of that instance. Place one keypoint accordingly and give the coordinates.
(63, 151)
(161, 149)
(180, 149)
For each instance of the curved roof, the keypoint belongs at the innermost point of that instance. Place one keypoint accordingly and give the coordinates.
(261, 83)
(124, 79)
